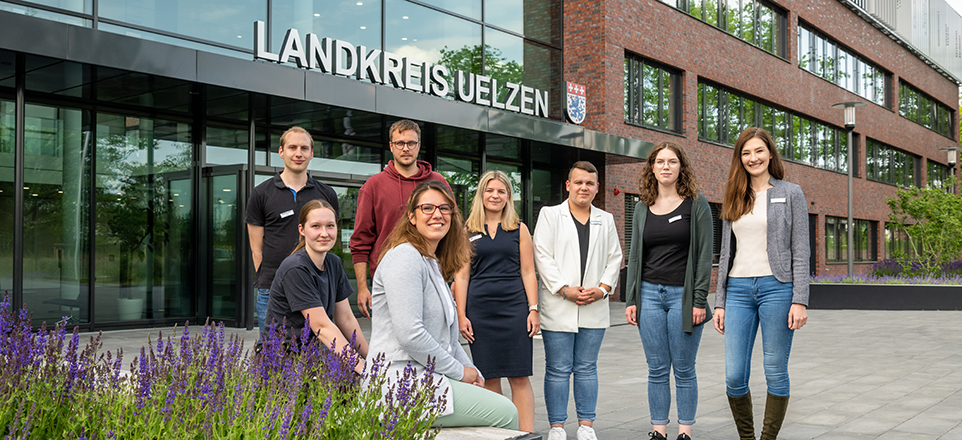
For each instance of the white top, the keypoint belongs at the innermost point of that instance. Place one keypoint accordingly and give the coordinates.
(751, 235)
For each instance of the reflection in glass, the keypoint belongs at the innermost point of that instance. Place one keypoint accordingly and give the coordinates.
(503, 146)
(357, 22)
(432, 37)
(143, 198)
(456, 139)
(46, 15)
(7, 126)
(224, 252)
(467, 8)
(324, 119)
(226, 146)
(150, 36)
(462, 174)
(227, 103)
(55, 209)
(8, 69)
(223, 21)
(83, 6)
(538, 19)
(337, 157)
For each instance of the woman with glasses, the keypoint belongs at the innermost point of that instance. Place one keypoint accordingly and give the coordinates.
(415, 320)
(497, 294)
(763, 275)
(311, 288)
(669, 270)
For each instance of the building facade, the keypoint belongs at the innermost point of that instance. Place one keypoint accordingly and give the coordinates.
(132, 131)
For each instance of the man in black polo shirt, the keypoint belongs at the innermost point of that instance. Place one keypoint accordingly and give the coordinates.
(273, 210)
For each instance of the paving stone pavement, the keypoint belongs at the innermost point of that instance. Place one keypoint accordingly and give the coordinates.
(855, 375)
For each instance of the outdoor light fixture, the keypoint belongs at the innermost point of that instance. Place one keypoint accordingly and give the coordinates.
(951, 155)
(849, 108)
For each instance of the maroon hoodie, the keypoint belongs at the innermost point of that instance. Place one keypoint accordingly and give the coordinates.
(380, 203)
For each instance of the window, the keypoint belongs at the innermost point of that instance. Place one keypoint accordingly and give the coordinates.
(924, 110)
(650, 94)
(836, 240)
(756, 22)
(826, 58)
(889, 165)
(897, 243)
(722, 115)
(938, 174)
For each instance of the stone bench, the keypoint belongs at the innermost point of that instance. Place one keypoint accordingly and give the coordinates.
(486, 433)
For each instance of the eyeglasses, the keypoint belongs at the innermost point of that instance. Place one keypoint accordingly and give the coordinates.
(406, 145)
(429, 208)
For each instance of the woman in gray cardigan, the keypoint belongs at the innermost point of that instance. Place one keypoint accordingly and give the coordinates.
(414, 313)
(763, 275)
(669, 270)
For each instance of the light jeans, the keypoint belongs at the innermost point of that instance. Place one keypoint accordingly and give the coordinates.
(668, 347)
(565, 354)
(263, 295)
(752, 303)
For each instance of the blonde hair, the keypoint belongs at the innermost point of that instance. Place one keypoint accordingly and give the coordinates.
(453, 251)
(302, 218)
(509, 217)
(294, 130)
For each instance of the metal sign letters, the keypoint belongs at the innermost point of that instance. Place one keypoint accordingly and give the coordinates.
(340, 57)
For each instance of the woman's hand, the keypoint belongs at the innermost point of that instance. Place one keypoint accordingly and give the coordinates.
(719, 320)
(697, 315)
(797, 316)
(465, 325)
(472, 376)
(534, 323)
(630, 314)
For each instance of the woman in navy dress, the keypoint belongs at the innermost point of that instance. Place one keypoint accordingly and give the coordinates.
(497, 295)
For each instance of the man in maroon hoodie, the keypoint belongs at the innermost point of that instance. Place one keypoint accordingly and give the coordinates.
(381, 202)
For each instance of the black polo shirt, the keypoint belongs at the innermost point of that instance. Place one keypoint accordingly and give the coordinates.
(300, 285)
(276, 207)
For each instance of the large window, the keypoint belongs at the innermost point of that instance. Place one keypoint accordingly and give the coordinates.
(7, 152)
(938, 174)
(722, 115)
(756, 22)
(651, 97)
(924, 110)
(897, 243)
(836, 240)
(824, 57)
(226, 22)
(889, 165)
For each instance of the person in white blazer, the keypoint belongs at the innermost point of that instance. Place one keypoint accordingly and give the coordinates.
(578, 256)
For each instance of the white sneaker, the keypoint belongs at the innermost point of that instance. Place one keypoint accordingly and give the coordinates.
(586, 433)
(557, 434)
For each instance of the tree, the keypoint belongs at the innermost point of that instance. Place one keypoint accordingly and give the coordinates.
(496, 65)
(932, 218)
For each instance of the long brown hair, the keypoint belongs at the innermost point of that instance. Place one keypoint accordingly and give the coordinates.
(509, 217)
(739, 197)
(453, 250)
(687, 185)
(302, 218)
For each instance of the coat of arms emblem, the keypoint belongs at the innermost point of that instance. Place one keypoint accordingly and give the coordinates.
(576, 107)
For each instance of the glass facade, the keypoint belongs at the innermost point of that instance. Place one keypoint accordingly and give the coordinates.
(938, 174)
(756, 22)
(722, 115)
(7, 202)
(651, 97)
(836, 240)
(927, 112)
(824, 57)
(897, 242)
(890, 165)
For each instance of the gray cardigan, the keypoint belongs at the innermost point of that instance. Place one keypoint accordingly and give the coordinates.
(697, 269)
(788, 245)
(410, 322)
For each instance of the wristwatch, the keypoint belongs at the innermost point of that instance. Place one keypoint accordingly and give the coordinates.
(533, 307)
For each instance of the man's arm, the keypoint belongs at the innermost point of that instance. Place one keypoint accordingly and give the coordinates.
(255, 236)
(363, 291)
(361, 245)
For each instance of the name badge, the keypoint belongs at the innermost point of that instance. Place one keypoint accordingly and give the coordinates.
(596, 222)
(475, 237)
(287, 213)
(674, 219)
(778, 200)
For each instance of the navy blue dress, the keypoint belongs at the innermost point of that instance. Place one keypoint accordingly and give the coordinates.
(498, 307)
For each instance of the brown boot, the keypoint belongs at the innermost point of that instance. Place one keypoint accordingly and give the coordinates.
(744, 418)
(775, 408)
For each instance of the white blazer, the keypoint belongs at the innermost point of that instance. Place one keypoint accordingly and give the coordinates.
(557, 255)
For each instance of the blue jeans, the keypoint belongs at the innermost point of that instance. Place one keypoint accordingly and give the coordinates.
(752, 302)
(263, 295)
(668, 347)
(566, 353)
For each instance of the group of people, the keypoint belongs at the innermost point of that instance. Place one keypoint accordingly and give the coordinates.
(437, 277)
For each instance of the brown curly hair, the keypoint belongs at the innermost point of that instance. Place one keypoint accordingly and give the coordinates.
(686, 185)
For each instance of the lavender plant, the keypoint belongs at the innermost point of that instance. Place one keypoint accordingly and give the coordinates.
(201, 386)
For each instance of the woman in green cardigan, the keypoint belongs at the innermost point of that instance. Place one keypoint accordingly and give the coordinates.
(669, 269)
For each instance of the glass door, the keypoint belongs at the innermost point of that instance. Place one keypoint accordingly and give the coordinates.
(226, 196)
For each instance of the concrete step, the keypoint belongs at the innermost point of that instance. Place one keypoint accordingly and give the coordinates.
(485, 433)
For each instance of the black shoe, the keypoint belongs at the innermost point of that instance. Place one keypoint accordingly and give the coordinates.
(656, 436)
(683, 436)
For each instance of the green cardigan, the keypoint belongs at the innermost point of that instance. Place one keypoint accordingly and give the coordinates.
(698, 272)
